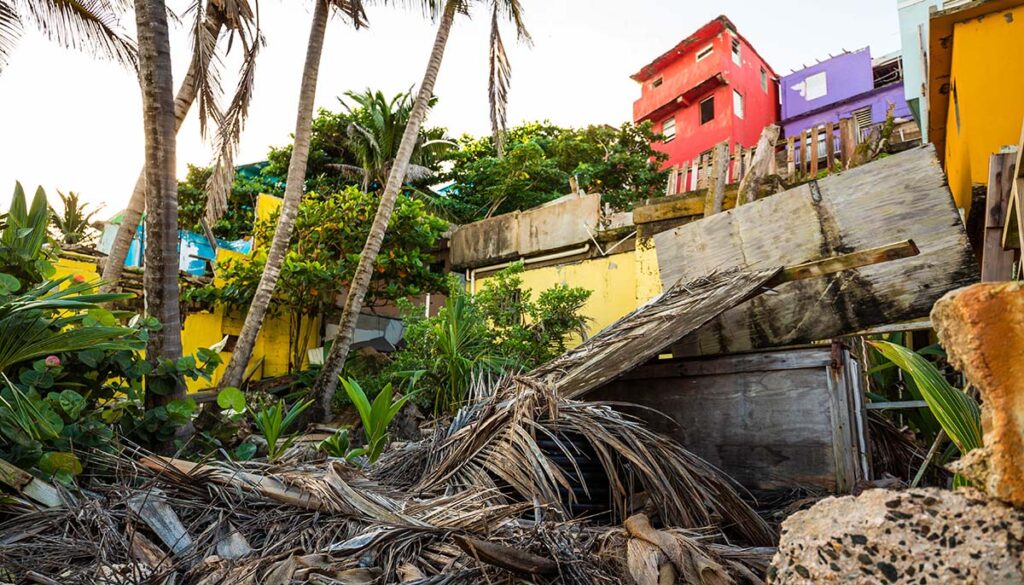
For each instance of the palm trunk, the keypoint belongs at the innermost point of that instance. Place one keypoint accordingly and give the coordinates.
(161, 275)
(327, 382)
(290, 208)
(114, 265)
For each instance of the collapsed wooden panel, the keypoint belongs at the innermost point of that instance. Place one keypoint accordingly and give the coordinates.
(774, 420)
(902, 197)
(649, 330)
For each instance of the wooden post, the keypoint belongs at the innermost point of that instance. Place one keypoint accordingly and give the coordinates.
(803, 153)
(790, 158)
(997, 263)
(682, 177)
(773, 161)
(815, 134)
(847, 140)
(830, 146)
(759, 167)
(694, 171)
(737, 163)
(715, 198)
(673, 180)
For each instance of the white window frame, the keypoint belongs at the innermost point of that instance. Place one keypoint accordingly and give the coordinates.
(705, 52)
(737, 57)
(764, 80)
(738, 106)
(664, 126)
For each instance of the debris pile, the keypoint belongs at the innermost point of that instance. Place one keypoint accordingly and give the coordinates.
(489, 498)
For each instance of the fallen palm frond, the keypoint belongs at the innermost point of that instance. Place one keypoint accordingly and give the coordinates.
(488, 500)
(497, 443)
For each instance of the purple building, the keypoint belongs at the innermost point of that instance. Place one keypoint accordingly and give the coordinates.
(849, 85)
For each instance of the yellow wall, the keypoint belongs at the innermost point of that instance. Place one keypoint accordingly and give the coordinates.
(620, 283)
(205, 329)
(988, 75)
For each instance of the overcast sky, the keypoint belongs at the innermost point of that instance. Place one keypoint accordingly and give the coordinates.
(69, 122)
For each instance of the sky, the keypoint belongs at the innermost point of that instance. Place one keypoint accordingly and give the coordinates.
(73, 123)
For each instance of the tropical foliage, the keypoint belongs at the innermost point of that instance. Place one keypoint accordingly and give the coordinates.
(237, 221)
(957, 412)
(25, 253)
(504, 327)
(318, 266)
(273, 422)
(356, 146)
(540, 158)
(376, 418)
(74, 222)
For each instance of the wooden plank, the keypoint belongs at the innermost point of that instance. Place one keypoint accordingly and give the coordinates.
(714, 202)
(899, 405)
(901, 197)
(834, 264)
(804, 167)
(847, 141)
(768, 429)
(152, 508)
(830, 147)
(997, 263)
(685, 205)
(759, 168)
(1013, 231)
(841, 419)
(29, 486)
(790, 160)
(813, 149)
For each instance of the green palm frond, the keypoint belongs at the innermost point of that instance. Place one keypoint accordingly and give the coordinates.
(957, 412)
(10, 31)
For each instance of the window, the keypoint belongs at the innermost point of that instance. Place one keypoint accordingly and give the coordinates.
(707, 110)
(705, 52)
(668, 129)
(657, 82)
(736, 52)
(764, 80)
(862, 117)
(737, 104)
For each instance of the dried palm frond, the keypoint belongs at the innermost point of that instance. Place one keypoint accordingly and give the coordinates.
(90, 26)
(495, 444)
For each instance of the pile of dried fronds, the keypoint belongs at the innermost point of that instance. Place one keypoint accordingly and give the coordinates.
(483, 504)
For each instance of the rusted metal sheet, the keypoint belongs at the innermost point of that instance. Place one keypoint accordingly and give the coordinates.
(902, 197)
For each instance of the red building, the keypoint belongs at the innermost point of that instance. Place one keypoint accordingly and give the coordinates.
(711, 87)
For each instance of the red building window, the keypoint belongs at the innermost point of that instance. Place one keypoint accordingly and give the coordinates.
(705, 52)
(707, 110)
(668, 129)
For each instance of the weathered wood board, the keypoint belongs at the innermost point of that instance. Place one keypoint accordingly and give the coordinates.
(902, 197)
(773, 420)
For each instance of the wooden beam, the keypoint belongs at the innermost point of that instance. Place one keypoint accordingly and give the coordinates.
(1013, 231)
(847, 141)
(830, 146)
(803, 153)
(827, 266)
(790, 157)
(997, 263)
(678, 206)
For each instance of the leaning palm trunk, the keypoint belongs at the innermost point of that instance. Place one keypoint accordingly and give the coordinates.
(292, 194)
(327, 382)
(161, 277)
(137, 204)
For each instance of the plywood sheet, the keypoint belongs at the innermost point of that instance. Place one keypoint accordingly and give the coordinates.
(897, 198)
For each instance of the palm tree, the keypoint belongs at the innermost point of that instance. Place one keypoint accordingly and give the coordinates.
(200, 83)
(160, 282)
(375, 133)
(74, 221)
(88, 25)
(327, 381)
(293, 187)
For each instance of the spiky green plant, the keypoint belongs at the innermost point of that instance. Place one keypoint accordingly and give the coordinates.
(273, 422)
(376, 417)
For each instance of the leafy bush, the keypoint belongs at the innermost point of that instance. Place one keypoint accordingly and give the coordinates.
(539, 160)
(502, 328)
(24, 253)
(329, 235)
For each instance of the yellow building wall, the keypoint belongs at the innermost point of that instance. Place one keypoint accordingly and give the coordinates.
(619, 284)
(205, 329)
(988, 76)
